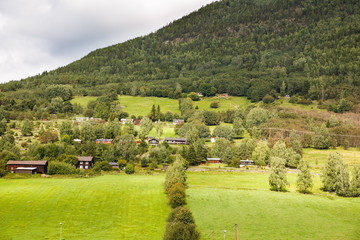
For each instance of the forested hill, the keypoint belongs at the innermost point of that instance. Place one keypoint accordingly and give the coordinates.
(243, 47)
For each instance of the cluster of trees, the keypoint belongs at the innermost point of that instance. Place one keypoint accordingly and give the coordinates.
(180, 223)
(336, 177)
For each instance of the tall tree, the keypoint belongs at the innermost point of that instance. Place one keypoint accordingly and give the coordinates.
(145, 126)
(304, 181)
(277, 179)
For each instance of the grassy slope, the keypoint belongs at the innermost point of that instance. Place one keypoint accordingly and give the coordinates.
(107, 207)
(142, 105)
(219, 200)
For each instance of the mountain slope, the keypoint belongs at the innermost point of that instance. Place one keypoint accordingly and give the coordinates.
(241, 47)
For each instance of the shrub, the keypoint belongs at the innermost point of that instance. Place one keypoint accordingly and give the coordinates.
(268, 99)
(215, 105)
(122, 163)
(193, 96)
(2, 173)
(176, 195)
(129, 169)
(61, 168)
(104, 165)
(176, 173)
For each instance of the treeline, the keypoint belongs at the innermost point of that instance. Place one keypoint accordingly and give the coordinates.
(244, 48)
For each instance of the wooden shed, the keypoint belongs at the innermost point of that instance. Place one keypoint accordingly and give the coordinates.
(41, 166)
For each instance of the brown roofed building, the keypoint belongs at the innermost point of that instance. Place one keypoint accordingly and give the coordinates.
(85, 162)
(41, 166)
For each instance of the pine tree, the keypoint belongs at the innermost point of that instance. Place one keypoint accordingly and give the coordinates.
(304, 181)
(283, 89)
(277, 179)
(355, 182)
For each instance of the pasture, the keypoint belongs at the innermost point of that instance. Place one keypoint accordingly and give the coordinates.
(142, 105)
(106, 207)
(218, 200)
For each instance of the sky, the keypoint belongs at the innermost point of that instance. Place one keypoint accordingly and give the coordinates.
(42, 35)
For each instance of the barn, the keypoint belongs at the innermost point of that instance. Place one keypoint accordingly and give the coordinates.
(213, 160)
(41, 166)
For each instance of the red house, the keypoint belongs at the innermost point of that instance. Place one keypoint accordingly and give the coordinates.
(213, 160)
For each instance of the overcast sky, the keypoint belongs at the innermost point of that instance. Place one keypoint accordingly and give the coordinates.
(45, 34)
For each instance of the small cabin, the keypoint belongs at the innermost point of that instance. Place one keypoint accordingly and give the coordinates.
(165, 167)
(178, 121)
(114, 164)
(176, 140)
(246, 162)
(213, 160)
(85, 162)
(40, 166)
(104, 141)
(26, 170)
(153, 141)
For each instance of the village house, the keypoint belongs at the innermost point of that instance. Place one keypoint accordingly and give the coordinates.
(224, 95)
(178, 121)
(153, 141)
(104, 141)
(40, 166)
(85, 162)
(246, 162)
(213, 160)
(137, 122)
(114, 164)
(176, 140)
(123, 120)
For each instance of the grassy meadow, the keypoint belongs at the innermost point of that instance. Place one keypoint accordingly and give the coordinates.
(106, 207)
(218, 200)
(142, 105)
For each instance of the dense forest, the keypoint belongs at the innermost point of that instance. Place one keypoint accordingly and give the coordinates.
(304, 48)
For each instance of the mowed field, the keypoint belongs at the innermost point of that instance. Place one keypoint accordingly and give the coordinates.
(218, 200)
(105, 207)
(142, 105)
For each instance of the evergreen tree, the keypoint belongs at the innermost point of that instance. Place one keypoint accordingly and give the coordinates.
(176, 173)
(355, 182)
(321, 138)
(283, 89)
(277, 179)
(295, 142)
(304, 181)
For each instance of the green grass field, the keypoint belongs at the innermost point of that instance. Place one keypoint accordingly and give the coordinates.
(219, 200)
(142, 105)
(106, 207)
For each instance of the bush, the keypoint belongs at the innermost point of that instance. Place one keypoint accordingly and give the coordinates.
(215, 105)
(193, 96)
(122, 164)
(104, 166)
(61, 168)
(129, 169)
(176, 195)
(2, 173)
(268, 99)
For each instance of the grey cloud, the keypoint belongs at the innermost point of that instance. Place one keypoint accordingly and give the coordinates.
(45, 34)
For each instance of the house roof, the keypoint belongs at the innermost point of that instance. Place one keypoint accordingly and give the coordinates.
(27, 162)
(113, 164)
(102, 139)
(175, 139)
(85, 158)
(213, 159)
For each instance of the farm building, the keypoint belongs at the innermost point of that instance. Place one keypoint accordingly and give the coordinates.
(26, 170)
(41, 166)
(104, 141)
(85, 162)
(178, 121)
(246, 162)
(176, 140)
(213, 160)
(153, 141)
(114, 164)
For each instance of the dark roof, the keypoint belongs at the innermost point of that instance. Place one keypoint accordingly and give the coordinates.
(85, 158)
(27, 162)
(175, 139)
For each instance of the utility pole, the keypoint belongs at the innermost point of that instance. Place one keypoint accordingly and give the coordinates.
(236, 231)
(60, 230)
(212, 231)
(224, 234)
